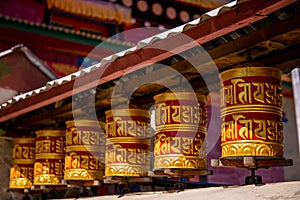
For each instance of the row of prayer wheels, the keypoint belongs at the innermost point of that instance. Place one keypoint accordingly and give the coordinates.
(251, 113)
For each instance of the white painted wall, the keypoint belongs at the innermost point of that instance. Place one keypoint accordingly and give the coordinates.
(290, 140)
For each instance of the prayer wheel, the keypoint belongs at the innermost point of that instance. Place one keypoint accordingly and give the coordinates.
(85, 150)
(251, 99)
(181, 120)
(49, 157)
(128, 142)
(21, 173)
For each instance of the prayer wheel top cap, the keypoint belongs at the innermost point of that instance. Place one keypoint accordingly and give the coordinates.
(251, 71)
(179, 96)
(24, 140)
(83, 122)
(50, 132)
(128, 112)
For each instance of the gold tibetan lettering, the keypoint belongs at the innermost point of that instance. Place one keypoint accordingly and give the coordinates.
(141, 157)
(166, 114)
(31, 152)
(227, 95)
(58, 170)
(120, 153)
(271, 93)
(244, 95)
(229, 130)
(94, 138)
(176, 113)
(132, 157)
(111, 129)
(260, 131)
(121, 127)
(187, 147)
(39, 146)
(76, 139)
(245, 132)
(93, 164)
(25, 152)
(176, 146)
(234, 90)
(259, 94)
(131, 128)
(47, 146)
(186, 114)
(68, 138)
(84, 161)
(85, 137)
(165, 147)
(59, 146)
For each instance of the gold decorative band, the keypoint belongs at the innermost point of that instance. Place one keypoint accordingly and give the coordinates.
(49, 156)
(23, 161)
(128, 140)
(89, 148)
(251, 108)
(179, 96)
(179, 161)
(47, 179)
(252, 148)
(60, 133)
(180, 127)
(267, 72)
(20, 183)
(83, 174)
(90, 123)
(127, 112)
(24, 141)
(126, 170)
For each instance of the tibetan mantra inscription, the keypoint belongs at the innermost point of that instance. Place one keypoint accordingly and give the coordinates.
(181, 120)
(21, 172)
(85, 149)
(128, 143)
(251, 99)
(49, 157)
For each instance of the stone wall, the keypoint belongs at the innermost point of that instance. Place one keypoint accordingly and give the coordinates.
(6, 146)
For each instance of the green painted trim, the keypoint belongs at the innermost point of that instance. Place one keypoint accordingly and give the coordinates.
(286, 84)
(33, 28)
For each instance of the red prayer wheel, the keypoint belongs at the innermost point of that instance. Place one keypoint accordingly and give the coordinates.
(128, 142)
(21, 173)
(251, 99)
(181, 120)
(85, 150)
(49, 157)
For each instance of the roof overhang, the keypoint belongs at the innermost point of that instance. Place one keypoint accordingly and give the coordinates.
(209, 27)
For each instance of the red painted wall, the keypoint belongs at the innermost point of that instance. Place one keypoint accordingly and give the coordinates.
(31, 10)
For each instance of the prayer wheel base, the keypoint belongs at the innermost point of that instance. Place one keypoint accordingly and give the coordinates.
(179, 162)
(83, 175)
(124, 180)
(20, 183)
(179, 172)
(126, 170)
(47, 180)
(75, 183)
(251, 162)
(252, 148)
